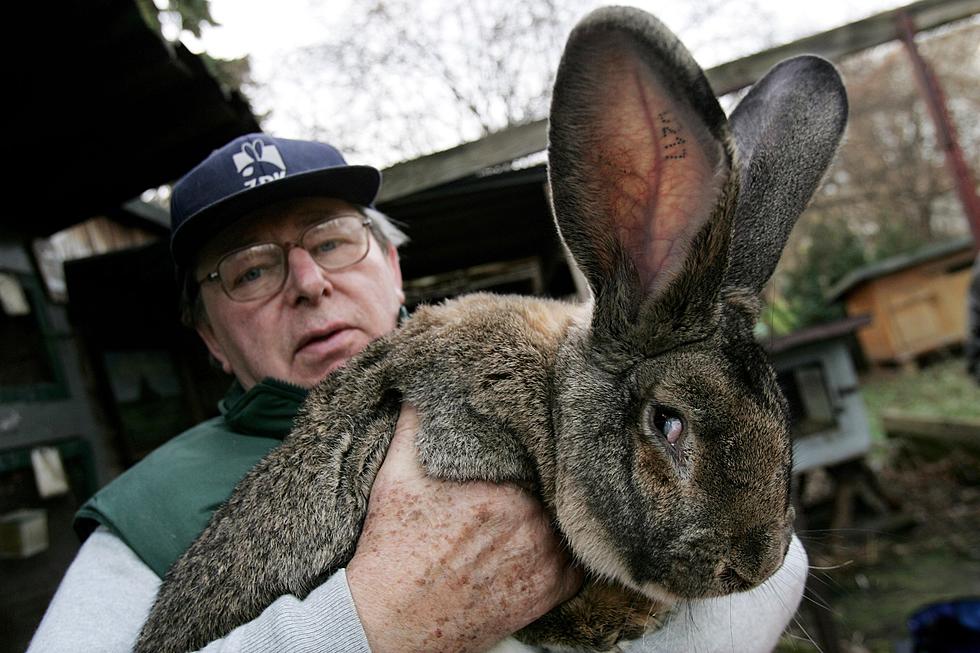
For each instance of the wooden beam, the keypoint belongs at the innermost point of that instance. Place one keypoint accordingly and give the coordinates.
(839, 42)
(506, 145)
(463, 160)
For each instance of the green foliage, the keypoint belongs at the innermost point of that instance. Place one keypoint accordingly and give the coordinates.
(193, 14)
(190, 15)
(776, 318)
(232, 73)
(834, 250)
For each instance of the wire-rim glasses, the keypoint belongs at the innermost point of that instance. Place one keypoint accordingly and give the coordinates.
(260, 270)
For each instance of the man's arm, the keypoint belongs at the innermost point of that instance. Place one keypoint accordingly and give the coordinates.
(467, 563)
(107, 593)
(101, 602)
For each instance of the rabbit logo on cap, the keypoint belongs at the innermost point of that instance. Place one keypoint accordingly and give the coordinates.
(259, 163)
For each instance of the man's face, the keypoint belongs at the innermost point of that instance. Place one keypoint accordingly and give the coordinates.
(319, 319)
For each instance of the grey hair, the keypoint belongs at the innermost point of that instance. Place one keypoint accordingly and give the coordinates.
(191, 305)
(384, 228)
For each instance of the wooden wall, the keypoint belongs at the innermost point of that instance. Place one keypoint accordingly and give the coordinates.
(915, 310)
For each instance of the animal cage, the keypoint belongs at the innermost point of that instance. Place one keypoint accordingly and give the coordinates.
(816, 372)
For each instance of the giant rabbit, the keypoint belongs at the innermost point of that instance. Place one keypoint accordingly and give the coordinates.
(648, 420)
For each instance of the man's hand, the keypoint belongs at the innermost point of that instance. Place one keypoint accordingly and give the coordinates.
(451, 566)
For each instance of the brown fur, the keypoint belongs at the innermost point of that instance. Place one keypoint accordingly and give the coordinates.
(676, 237)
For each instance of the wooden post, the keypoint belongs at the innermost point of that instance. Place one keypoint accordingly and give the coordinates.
(932, 92)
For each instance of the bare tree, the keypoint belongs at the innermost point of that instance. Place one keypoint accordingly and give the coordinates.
(895, 169)
(413, 77)
(890, 173)
(399, 78)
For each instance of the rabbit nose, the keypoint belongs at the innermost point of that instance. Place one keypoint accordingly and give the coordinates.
(755, 555)
(732, 581)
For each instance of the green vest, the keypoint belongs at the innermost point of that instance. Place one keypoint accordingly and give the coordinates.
(161, 504)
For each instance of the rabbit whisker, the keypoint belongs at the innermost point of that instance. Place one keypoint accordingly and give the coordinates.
(846, 563)
(731, 622)
(809, 531)
(776, 584)
(826, 580)
(805, 637)
(795, 617)
(812, 597)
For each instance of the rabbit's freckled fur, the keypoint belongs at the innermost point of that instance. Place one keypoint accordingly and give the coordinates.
(676, 216)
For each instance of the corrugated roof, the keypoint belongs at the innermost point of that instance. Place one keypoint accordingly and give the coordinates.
(896, 263)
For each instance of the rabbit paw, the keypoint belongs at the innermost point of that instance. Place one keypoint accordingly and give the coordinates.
(596, 619)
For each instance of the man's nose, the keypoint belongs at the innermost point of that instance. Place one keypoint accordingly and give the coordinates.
(307, 281)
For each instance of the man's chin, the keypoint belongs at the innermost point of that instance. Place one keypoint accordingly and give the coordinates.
(317, 360)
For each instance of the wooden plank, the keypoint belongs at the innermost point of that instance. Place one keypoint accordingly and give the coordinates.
(463, 160)
(940, 432)
(501, 147)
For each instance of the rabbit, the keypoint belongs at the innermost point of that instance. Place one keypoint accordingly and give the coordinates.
(647, 419)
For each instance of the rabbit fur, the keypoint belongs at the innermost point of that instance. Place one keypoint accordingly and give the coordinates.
(676, 216)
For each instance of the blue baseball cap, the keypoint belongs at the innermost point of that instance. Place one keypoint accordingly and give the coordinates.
(252, 171)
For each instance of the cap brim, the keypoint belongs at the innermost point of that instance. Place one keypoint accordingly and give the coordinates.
(354, 184)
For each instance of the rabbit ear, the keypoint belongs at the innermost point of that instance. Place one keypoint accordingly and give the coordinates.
(786, 132)
(637, 166)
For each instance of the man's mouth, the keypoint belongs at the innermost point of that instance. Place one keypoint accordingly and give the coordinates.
(321, 340)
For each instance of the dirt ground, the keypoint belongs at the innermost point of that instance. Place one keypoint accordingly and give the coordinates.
(868, 578)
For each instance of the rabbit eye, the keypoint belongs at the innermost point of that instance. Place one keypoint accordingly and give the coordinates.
(667, 423)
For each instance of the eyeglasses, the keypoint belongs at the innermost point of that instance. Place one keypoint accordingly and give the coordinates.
(260, 270)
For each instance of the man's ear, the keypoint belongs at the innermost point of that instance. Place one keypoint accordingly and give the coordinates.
(396, 271)
(214, 347)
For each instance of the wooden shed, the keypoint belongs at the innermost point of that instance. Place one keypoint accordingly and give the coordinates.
(916, 301)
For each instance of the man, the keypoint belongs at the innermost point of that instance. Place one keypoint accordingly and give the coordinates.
(287, 273)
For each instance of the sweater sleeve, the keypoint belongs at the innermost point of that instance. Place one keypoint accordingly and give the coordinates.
(108, 591)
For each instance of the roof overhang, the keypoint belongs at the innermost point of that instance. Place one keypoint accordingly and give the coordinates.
(111, 110)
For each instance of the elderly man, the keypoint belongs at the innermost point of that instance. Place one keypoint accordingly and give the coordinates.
(287, 272)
